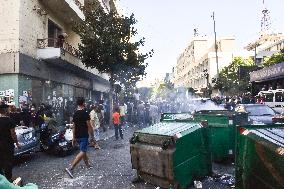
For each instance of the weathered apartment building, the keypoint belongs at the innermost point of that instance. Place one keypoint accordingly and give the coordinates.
(39, 60)
(199, 58)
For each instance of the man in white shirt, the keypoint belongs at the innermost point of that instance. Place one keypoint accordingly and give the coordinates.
(123, 112)
(95, 123)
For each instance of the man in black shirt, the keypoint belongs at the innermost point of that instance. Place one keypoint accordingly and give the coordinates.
(81, 131)
(26, 115)
(7, 139)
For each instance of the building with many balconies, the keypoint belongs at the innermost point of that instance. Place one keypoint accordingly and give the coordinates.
(199, 59)
(39, 58)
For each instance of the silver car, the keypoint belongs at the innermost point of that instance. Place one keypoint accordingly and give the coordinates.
(27, 139)
(258, 113)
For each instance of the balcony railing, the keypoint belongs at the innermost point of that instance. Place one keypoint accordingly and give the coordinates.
(58, 43)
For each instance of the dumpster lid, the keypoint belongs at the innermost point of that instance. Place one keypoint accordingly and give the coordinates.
(226, 112)
(273, 135)
(169, 128)
(176, 116)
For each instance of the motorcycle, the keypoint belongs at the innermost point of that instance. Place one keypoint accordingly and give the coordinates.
(56, 138)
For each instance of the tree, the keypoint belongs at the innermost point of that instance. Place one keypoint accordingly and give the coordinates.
(107, 44)
(275, 59)
(234, 78)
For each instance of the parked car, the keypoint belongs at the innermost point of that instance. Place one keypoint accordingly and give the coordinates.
(27, 139)
(257, 113)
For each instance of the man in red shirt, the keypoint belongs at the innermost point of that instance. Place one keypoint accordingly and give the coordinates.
(116, 123)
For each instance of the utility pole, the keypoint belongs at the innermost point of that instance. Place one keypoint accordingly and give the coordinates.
(216, 46)
(255, 45)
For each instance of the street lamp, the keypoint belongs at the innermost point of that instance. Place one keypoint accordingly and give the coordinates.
(216, 47)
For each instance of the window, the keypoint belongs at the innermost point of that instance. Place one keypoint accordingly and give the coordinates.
(279, 97)
(268, 97)
(259, 110)
(53, 32)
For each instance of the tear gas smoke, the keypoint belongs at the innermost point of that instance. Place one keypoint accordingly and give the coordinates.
(180, 101)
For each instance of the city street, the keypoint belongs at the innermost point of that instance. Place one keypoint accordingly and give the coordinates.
(207, 80)
(112, 168)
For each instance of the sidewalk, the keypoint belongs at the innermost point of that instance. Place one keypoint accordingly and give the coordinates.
(110, 132)
(107, 134)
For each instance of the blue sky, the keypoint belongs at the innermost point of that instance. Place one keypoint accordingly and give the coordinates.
(168, 25)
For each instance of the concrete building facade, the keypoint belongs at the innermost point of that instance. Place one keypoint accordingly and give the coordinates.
(199, 58)
(266, 45)
(37, 65)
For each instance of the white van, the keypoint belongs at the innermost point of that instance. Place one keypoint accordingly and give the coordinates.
(274, 99)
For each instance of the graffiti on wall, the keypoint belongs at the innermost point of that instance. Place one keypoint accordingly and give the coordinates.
(61, 106)
(7, 95)
(25, 98)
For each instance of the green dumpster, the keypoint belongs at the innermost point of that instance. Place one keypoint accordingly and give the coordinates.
(171, 154)
(260, 157)
(221, 131)
(169, 117)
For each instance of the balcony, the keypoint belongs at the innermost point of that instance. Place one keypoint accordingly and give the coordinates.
(57, 52)
(66, 10)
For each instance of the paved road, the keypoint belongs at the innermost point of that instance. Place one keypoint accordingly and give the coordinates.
(112, 168)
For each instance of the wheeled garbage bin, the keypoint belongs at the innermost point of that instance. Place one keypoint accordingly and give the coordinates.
(169, 117)
(221, 131)
(171, 154)
(260, 157)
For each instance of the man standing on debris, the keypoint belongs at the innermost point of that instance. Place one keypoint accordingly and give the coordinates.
(81, 130)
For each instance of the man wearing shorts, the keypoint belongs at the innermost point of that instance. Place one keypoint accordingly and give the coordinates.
(82, 128)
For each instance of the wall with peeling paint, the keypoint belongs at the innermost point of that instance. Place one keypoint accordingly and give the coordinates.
(25, 22)
(9, 22)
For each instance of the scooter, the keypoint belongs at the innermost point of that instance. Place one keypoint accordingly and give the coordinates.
(54, 138)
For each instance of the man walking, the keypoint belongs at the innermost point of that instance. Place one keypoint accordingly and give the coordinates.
(117, 123)
(81, 131)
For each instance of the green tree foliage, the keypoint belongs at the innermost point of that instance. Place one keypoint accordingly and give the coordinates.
(231, 80)
(275, 59)
(108, 44)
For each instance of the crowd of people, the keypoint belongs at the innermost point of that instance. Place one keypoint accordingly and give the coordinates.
(36, 117)
(89, 120)
(230, 102)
